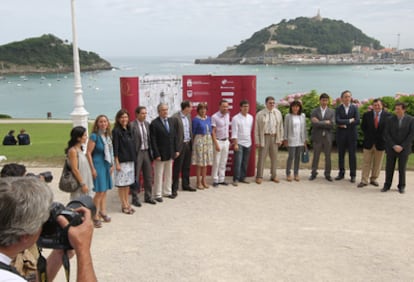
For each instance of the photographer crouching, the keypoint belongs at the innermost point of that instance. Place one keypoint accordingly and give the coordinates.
(25, 204)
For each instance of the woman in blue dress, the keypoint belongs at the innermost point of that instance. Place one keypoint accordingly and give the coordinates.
(101, 159)
(202, 145)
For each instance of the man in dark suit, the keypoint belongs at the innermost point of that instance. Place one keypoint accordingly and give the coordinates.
(323, 119)
(165, 149)
(399, 135)
(347, 120)
(182, 164)
(372, 125)
(141, 134)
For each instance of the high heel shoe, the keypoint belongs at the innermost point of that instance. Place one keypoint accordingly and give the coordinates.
(200, 187)
(205, 186)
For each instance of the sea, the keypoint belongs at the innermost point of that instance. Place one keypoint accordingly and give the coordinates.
(39, 95)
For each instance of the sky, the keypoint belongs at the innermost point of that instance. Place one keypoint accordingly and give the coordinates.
(117, 28)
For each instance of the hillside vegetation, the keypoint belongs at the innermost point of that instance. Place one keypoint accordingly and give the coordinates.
(47, 53)
(303, 35)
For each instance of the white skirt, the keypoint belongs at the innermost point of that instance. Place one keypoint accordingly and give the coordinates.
(126, 176)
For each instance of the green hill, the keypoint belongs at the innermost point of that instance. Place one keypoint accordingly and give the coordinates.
(303, 35)
(47, 53)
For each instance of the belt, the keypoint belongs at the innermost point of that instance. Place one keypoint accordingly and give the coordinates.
(268, 134)
(224, 139)
(144, 150)
(186, 142)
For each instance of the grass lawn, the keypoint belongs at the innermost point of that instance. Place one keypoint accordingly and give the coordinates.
(48, 143)
(50, 139)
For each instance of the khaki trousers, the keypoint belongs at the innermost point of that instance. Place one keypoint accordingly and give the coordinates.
(371, 162)
(271, 148)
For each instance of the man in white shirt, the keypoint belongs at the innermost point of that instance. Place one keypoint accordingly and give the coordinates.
(241, 130)
(220, 122)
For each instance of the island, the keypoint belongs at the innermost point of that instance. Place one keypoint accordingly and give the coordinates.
(46, 54)
(314, 41)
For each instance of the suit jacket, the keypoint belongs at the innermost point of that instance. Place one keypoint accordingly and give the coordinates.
(395, 135)
(260, 126)
(341, 118)
(321, 129)
(374, 136)
(288, 129)
(136, 134)
(179, 127)
(164, 143)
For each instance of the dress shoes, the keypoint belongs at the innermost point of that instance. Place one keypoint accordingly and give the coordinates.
(312, 177)
(360, 185)
(329, 178)
(275, 180)
(224, 183)
(297, 178)
(401, 190)
(173, 196)
(385, 189)
(136, 202)
(289, 178)
(375, 183)
(244, 181)
(235, 183)
(159, 200)
(190, 189)
(215, 184)
(339, 177)
(352, 179)
(258, 180)
(151, 201)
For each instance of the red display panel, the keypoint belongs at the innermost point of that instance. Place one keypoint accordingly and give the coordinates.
(129, 94)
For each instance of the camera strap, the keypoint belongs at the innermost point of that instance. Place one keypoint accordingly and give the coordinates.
(9, 268)
(42, 266)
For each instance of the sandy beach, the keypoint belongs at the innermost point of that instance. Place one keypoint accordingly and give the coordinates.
(291, 231)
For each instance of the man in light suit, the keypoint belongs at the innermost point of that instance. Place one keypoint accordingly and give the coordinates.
(323, 119)
(399, 135)
(182, 164)
(165, 150)
(347, 120)
(268, 135)
(372, 125)
(141, 134)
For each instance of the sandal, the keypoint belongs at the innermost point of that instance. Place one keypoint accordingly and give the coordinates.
(105, 217)
(97, 223)
(127, 211)
(131, 209)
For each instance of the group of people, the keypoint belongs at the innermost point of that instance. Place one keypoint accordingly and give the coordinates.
(162, 151)
(23, 138)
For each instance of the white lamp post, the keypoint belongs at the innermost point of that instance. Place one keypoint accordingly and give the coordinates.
(79, 114)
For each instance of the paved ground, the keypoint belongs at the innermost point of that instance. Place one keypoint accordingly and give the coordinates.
(299, 231)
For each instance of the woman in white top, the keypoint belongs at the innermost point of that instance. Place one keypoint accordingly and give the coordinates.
(78, 162)
(294, 138)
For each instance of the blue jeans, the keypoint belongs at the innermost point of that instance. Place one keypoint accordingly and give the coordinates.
(241, 160)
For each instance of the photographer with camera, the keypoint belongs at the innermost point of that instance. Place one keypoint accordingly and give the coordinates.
(24, 206)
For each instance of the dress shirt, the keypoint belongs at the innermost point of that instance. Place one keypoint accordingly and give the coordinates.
(241, 128)
(144, 136)
(221, 123)
(186, 126)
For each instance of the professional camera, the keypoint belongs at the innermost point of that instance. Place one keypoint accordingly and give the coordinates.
(53, 236)
(47, 176)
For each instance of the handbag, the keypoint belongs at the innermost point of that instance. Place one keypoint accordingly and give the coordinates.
(305, 156)
(68, 182)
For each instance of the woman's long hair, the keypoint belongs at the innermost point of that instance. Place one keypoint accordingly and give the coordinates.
(76, 133)
(119, 114)
(95, 128)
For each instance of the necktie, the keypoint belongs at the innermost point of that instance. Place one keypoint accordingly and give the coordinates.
(143, 137)
(376, 120)
(166, 125)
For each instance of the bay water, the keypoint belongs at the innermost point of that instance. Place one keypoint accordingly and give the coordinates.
(35, 95)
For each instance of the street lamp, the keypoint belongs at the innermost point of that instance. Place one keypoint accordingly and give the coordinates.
(79, 114)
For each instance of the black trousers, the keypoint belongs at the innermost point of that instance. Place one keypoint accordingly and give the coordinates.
(346, 141)
(182, 165)
(390, 167)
